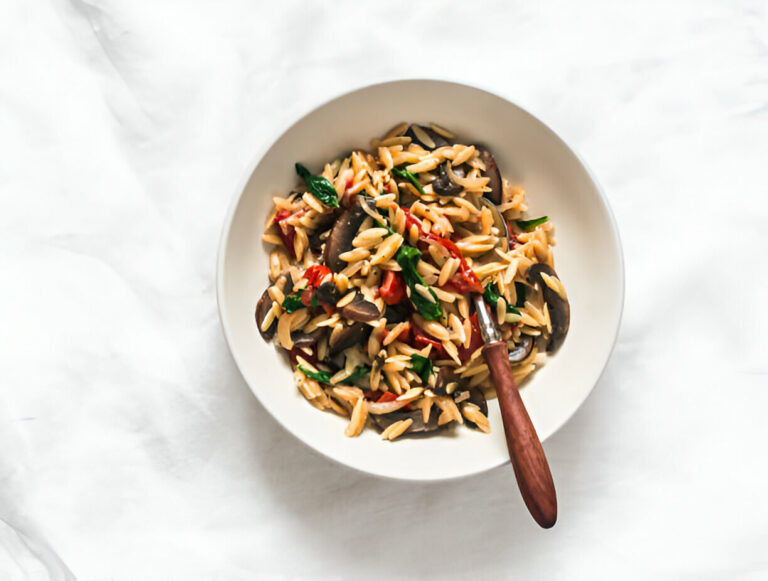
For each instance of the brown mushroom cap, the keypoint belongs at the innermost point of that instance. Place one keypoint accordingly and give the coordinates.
(341, 237)
(492, 172)
(347, 337)
(426, 137)
(262, 308)
(328, 294)
(559, 309)
(302, 339)
(360, 310)
(443, 185)
(383, 421)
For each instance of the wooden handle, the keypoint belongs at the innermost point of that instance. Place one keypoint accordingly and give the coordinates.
(525, 451)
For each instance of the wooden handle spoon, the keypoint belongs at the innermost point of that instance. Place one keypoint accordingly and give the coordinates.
(525, 451)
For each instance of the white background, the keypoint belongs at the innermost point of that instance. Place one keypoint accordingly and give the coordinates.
(130, 448)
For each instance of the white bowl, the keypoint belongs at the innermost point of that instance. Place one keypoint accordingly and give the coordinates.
(587, 258)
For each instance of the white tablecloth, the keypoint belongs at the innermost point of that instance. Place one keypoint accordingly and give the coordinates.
(131, 447)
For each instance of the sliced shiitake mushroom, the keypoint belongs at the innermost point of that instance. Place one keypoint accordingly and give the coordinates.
(328, 294)
(262, 308)
(444, 377)
(360, 310)
(559, 309)
(383, 421)
(443, 185)
(356, 333)
(322, 230)
(492, 172)
(341, 237)
(302, 339)
(396, 314)
(426, 137)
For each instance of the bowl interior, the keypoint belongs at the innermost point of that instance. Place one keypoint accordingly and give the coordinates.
(587, 259)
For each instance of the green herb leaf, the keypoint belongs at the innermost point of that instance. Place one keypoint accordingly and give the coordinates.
(491, 296)
(314, 301)
(323, 376)
(407, 257)
(319, 187)
(520, 292)
(422, 366)
(382, 225)
(404, 174)
(528, 225)
(359, 372)
(292, 303)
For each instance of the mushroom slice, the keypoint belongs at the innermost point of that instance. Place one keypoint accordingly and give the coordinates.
(360, 310)
(328, 294)
(302, 339)
(341, 237)
(443, 185)
(263, 308)
(354, 334)
(321, 230)
(426, 137)
(395, 314)
(383, 421)
(559, 309)
(491, 172)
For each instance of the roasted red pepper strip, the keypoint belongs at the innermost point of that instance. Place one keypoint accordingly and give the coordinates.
(469, 281)
(392, 290)
(474, 343)
(315, 273)
(387, 396)
(421, 340)
(286, 232)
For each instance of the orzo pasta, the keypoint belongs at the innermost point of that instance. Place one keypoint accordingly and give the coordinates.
(374, 258)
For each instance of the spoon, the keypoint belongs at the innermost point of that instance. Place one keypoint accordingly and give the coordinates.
(525, 451)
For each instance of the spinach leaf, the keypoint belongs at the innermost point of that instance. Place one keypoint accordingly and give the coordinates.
(422, 366)
(319, 187)
(491, 296)
(292, 303)
(323, 376)
(407, 257)
(359, 372)
(404, 174)
(528, 225)
(520, 292)
(382, 225)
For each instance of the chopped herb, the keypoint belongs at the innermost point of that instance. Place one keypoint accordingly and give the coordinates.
(407, 257)
(292, 303)
(319, 187)
(422, 366)
(528, 225)
(491, 296)
(382, 225)
(520, 292)
(323, 376)
(404, 174)
(359, 372)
